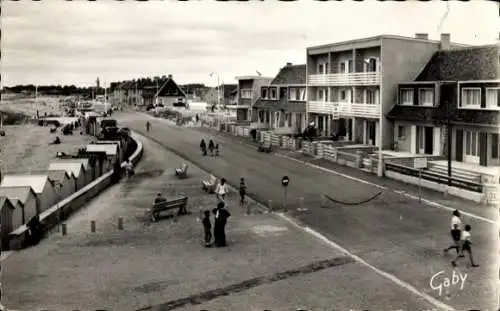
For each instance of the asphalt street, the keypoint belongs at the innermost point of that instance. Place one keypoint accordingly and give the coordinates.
(394, 234)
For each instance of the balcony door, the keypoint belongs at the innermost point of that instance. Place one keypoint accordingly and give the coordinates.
(471, 147)
(371, 132)
(425, 139)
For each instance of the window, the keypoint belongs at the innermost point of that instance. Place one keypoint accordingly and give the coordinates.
(289, 119)
(346, 66)
(494, 146)
(344, 96)
(263, 93)
(371, 65)
(302, 94)
(406, 97)
(492, 97)
(321, 95)
(401, 132)
(426, 97)
(471, 144)
(273, 93)
(247, 94)
(370, 97)
(292, 94)
(322, 68)
(471, 98)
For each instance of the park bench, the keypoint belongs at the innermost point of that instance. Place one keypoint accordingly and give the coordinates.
(209, 185)
(181, 172)
(169, 205)
(265, 147)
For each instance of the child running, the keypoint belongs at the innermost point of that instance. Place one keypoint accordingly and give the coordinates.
(466, 246)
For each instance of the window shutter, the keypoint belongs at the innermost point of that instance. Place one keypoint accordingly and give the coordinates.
(459, 145)
(483, 149)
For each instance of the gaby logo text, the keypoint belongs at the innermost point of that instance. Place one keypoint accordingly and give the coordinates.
(440, 281)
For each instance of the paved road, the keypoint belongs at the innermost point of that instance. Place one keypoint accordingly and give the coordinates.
(268, 264)
(392, 233)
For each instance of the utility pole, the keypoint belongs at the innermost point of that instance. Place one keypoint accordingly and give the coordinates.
(448, 142)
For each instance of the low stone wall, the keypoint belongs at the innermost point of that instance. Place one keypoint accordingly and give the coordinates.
(50, 217)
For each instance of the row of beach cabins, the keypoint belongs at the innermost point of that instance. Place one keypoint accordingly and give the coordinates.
(24, 195)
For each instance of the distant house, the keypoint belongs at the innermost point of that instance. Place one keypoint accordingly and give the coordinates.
(23, 198)
(110, 149)
(74, 168)
(7, 219)
(148, 95)
(249, 88)
(64, 182)
(170, 93)
(43, 187)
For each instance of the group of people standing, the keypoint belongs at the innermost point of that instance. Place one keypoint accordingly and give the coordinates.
(462, 241)
(211, 147)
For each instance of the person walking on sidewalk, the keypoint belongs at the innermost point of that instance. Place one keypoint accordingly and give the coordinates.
(466, 246)
(243, 191)
(456, 232)
(148, 126)
(221, 190)
(211, 147)
(207, 228)
(203, 147)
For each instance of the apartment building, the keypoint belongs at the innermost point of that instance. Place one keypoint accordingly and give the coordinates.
(462, 87)
(248, 94)
(352, 85)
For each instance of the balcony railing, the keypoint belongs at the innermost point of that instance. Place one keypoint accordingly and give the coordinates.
(339, 110)
(359, 110)
(358, 78)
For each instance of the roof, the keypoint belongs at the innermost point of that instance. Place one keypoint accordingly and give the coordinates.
(474, 63)
(74, 168)
(59, 175)
(19, 193)
(380, 37)
(110, 149)
(169, 84)
(253, 78)
(37, 182)
(291, 74)
(4, 201)
(107, 142)
(84, 161)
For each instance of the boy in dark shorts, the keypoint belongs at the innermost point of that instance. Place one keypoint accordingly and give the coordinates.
(466, 247)
(456, 234)
(207, 228)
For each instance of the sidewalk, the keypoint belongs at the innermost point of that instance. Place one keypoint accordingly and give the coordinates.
(268, 264)
(395, 185)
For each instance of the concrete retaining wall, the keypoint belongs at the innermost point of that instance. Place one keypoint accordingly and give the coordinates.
(50, 217)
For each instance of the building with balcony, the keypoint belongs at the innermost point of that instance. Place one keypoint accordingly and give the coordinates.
(351, 85)
(458, 86)
(282, 104)
(248, 94)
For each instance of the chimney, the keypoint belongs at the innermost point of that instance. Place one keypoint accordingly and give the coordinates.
(422, 36)
(288, 64)
(170, 76)
(445, 41)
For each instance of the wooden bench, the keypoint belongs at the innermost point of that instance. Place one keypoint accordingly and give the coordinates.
(265, 147)
(181, 172)
(209, 185)
(178, 202)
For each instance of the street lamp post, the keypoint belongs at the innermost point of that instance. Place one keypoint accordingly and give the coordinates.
(218, 98)
(380, 167)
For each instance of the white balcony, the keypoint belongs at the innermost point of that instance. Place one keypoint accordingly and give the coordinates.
(358, 78)
(323, 107)
(359, 110)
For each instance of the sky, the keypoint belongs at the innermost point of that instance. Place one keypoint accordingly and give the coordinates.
(58, 42)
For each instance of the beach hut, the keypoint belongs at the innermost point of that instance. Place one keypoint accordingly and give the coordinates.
(43, 187)
(64, 182)
(110, 149)
(74, 168)
(7, 211)
(22, 197)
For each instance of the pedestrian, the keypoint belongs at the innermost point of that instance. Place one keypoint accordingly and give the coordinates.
(466, 246)
(159, 198)
(203, 147)
(456, 232)
(217, 150)
(221, 216)
(207, 228)
(221, 190)
(148, 126)
(211, 147)
(197, 118)
(243, 191)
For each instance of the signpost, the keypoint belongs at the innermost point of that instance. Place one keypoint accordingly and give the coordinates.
(420, 164)
(284, 182)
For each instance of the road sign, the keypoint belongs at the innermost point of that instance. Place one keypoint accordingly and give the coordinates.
(420, 163)
(285, 181)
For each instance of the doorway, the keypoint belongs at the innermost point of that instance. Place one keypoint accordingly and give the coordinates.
(371, 132)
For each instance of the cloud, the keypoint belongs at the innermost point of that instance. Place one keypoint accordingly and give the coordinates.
(74, 42)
